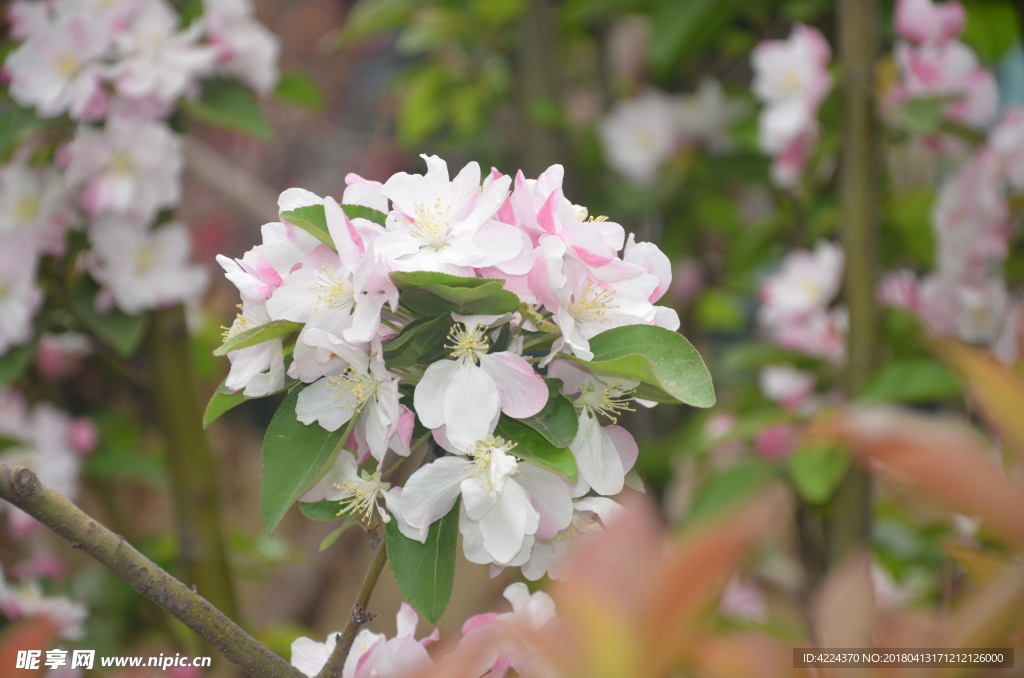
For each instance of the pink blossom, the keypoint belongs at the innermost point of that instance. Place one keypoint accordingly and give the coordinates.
(60, 356)
(821, 334)
(244, 46)
(947, 70)
(493, 631)
(787, 385)
(899, 289)
(34, 200)
(20, 298)
(788, 165)
(791, 78)
(1007, 141)
(640, 134)
(28, 17)
(743, 599)
(142, 270)
(57, 68)
(154, 59)
(83, 435)
(806, 283)
(27, 601)
(928, 21)
(776, 442)
(132, 166)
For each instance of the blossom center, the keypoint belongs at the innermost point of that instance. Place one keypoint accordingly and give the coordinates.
(363, 493)
(26, 208)
(67, 65)
(433, 225)
(354, 388)
(121, 163)
(610, 401)
(791, 80)
(592, 303)
(493, 462)
(240, 325)
(332, 289)
(466, 343)
(146, 259)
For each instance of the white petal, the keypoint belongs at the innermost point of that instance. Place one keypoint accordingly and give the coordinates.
(432, 490)
(471, 403)
(598, 460)
(310, 656)
(549, 493)
(506, 525)
(522, 391)
(319, 402)
(428, 397)
(344, 467)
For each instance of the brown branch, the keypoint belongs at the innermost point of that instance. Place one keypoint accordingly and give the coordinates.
(21, 487)
(193, 470)
(358, 617)
(231, 180)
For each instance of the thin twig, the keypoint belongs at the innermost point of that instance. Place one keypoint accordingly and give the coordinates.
(21, 487)
(358, 617)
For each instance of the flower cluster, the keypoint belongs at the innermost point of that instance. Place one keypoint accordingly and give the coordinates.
(48, 441)
(118, 70)
(374, 654)
(26, 600)
(791, 77)
(934, 64)
(641, 134)
(570, 284)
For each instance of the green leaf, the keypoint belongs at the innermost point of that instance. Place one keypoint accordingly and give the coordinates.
(329, 540)
(325, 510)
(258, 335)
(913, 380)
(6, 442)
(922, 115)
(363, 212)
(533, 447)
(426, 572)
(720, 311)
(17, 126)
(121, 331)
(407, 279)
(227, 103)
(909, 213)
(14, 363)
(295, 456)
(421, 339)
(558, 421)
(817, 470)
(735, 484)
(670, 369)
(299, 88)
(224, 400)
(992, 28)
(490, 298)
(313, 220)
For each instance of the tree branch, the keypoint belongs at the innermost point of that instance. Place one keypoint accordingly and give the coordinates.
(21, 487)
(358, 617)
(193, 471)
(859, 200)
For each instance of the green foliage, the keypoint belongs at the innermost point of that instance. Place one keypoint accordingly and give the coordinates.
(738, 483)
(922, 115)
(558, 421)
(719, 311)
(295, 457)
(258, 335)
(321, 510)
(122, 453)
(419, 342)
(17, 126)
(435, 294)
(909, 217)
(816, 471)
(115, 328)
(917, 380)
(313, 220)
(224, 400)
(426, 572)
(329, 540)
(669, 368)
(299, 88)
(228, 104)
(14, 363)
(992, 27)
(533, 447)
(681, 29)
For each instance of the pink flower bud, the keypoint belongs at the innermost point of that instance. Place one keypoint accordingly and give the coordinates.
(776, 442)
(83, 436)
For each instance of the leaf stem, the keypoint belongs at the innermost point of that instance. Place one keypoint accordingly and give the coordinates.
(21, 487)
(358, 617)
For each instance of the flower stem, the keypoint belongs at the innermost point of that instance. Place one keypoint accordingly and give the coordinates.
(21, 487)
(336, 662)
(192, 467)
(850, 525)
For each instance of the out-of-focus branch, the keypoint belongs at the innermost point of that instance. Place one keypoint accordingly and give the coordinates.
(859, 201)
(231, 180)
(192, 467)
(21, 487)
(336, 662)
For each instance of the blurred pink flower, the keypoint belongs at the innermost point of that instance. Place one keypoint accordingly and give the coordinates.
(947, 70)
(83, 435)
(776, 442)
(60, 356)
(927, 21)
(787, 385)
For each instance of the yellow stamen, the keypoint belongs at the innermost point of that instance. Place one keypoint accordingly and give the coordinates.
(611, 401)
(466, 343)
